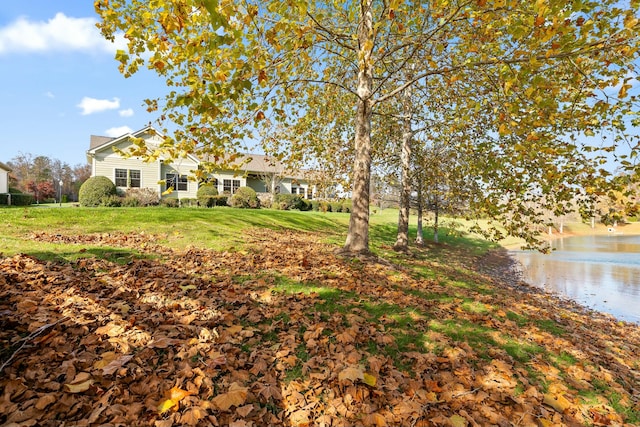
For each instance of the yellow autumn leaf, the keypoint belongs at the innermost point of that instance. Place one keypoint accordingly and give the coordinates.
(369, 379)
(166, 405)
(458, 421)
(172, 399)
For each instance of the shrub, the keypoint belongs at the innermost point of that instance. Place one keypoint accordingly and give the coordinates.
(206, 194)
(112, 201)
(291, 201)
(220, 200)
(245, 198)
(325, 206)
(266, 200)
(315, 205)
(94, 190)
(170, 203)
(336, 206)
(130, 202)
(188, 202)
(144, 196)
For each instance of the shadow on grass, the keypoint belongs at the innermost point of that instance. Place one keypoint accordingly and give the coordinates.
(117, 255)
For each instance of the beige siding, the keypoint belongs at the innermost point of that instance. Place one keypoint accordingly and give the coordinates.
(106, 162)
(4, 181)
(182, 167)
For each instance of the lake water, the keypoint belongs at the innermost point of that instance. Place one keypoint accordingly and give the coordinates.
(601, 272)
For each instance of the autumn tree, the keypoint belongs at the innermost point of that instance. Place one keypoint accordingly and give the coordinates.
(231, 64)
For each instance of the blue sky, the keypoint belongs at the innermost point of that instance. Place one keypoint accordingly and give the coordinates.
(61, 82)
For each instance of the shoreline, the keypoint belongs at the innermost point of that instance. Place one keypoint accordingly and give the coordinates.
(575, 229)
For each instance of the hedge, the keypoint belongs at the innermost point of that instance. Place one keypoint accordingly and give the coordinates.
(17, 199)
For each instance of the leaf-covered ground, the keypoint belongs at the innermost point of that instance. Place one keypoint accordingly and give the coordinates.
(284, 332)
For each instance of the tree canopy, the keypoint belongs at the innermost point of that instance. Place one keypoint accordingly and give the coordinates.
(540, 74)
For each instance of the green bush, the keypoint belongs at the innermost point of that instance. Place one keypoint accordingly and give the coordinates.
(245, 198)
(130, 202)
(220, 200)
(315, 205)
(287, 202)
(188, 202)
(206, 195)
(170, 203)
(325, 206)
(94, 190)
(112, 201)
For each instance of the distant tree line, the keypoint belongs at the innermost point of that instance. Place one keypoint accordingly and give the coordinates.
(41, 177)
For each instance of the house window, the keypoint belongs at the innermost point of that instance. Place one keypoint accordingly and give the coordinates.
(230, 186)
(294, 190)
(128, 178)
(309, 193)
(176, 182)
(134, 178)
(121, 177)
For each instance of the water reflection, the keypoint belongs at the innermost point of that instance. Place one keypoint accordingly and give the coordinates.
(601, 272)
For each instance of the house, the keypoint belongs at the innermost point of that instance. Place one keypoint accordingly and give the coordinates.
(4, 178)
(255, 170)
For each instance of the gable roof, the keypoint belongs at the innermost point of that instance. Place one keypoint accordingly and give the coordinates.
(5, 167)
(247, 162)
(101, 142)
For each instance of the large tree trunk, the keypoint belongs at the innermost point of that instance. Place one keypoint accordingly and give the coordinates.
(402, 239)
(358, 235)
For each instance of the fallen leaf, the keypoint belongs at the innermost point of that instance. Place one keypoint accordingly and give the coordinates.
(116, 364)
(374, 420)
(236, 396)
(369, 379)
(172, 399)
(352, 373)
(45, 400)
(557, 402)
(81, 383)
(78, 388)
(458, 421)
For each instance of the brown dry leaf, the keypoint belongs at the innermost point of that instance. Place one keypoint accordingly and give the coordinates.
(116, 364)
(236, 396)
(193, 415)
(300, 418)
(81, 383)
(374, 420)
(244, 411)
(352, 373)
(557, 402)
(45, 400)
(111, 329)
(107, 357)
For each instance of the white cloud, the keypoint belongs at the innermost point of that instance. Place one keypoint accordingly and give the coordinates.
(60, 33)
(49, 94)
(92, 105)
(118, 131)
(126, 113)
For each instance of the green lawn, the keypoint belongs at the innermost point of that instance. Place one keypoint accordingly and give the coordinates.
(276, 312)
